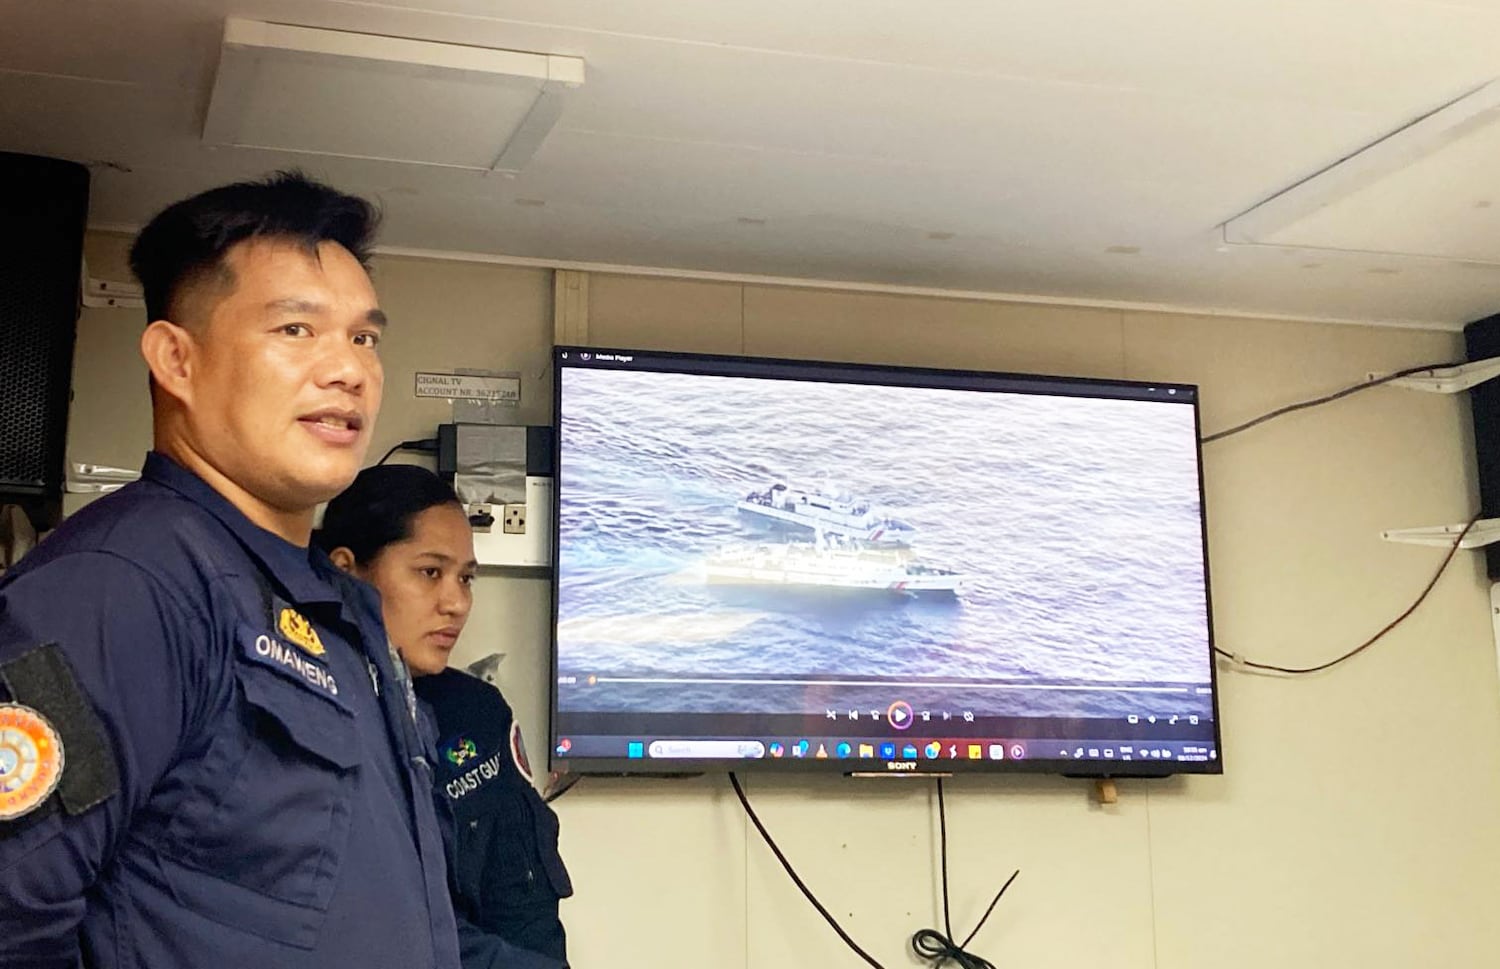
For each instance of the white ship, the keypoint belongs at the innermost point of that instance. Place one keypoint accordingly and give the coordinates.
(804, 564)
(818, 510)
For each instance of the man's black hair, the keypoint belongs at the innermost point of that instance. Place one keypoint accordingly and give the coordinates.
(186, 242)
(378, 508)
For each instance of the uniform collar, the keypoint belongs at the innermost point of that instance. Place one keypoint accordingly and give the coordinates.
(305, 574)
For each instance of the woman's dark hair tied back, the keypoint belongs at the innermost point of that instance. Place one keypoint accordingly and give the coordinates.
(378, 508)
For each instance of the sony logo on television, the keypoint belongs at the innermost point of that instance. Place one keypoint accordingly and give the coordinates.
(900, 765)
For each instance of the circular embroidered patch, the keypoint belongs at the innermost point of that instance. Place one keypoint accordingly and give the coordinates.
(31, 760)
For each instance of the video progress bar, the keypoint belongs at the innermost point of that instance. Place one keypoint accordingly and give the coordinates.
(691, 681)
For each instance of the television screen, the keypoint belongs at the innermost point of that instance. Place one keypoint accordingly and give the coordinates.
(786, 565)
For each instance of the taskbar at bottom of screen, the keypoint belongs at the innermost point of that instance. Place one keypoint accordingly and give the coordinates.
(925, 754)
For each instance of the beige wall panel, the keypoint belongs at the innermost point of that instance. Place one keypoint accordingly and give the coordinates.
(665, 314)
(109, 419)
(927, 332)
(869, 849)
(659, 867)
(446, 315)
(1296, 506)
(1353, 825)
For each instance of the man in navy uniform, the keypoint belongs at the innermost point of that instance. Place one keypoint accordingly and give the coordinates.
(207, 756)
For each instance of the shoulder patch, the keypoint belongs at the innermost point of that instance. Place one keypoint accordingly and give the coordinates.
(462, 749)
(295, 627)
(31, 760)
(43, 689)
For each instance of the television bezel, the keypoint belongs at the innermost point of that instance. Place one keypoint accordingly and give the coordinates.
(881, 375)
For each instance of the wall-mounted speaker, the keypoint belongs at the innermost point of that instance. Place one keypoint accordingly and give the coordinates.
(1482, 341)
(43, 210)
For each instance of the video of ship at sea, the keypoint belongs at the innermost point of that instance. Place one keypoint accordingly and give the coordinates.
(743, 545)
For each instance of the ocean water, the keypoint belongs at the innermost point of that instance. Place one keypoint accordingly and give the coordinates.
(1076, 519)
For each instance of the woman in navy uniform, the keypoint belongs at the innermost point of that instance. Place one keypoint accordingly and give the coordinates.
(208, 757)
(402, 529)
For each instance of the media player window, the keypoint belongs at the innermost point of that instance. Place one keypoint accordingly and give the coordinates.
(788, 565)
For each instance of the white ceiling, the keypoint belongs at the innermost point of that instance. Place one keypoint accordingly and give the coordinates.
(1087, 149)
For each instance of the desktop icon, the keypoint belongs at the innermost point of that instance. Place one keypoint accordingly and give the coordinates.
(933, 750)
(953, 751)
(1018, 751)
(800, 750)
(637, 748)
(822, 753)
(843, 749)
(887, 751)
(564, 745)
(776, 749)
(975, 751)
(997, 752)
(867, 750)
(909, 751)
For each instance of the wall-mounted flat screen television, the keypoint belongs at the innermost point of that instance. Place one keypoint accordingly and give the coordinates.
(783, 565)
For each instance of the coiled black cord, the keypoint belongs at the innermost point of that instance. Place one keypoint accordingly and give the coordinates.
(937, 947)
(928, 944)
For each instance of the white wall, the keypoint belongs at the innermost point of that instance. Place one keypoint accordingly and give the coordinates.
(1354, 824)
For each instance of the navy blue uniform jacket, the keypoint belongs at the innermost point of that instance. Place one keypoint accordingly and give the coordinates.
(507, 873)
(268, 798)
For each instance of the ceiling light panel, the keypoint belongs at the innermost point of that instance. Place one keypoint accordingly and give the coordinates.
(328, 92)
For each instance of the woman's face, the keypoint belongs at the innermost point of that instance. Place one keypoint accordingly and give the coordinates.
(424, 585)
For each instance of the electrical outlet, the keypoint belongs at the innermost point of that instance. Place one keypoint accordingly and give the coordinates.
(514, 520)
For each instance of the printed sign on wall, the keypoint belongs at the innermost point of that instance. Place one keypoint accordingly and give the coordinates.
(461, 386)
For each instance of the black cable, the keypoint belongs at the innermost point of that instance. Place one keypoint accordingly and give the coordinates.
(928, 943)
(933, 945)
(801, 886)
(1280, 411)
(427, 445)
(1298, 671)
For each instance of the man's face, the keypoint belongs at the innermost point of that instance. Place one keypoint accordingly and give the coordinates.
(286, 381)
